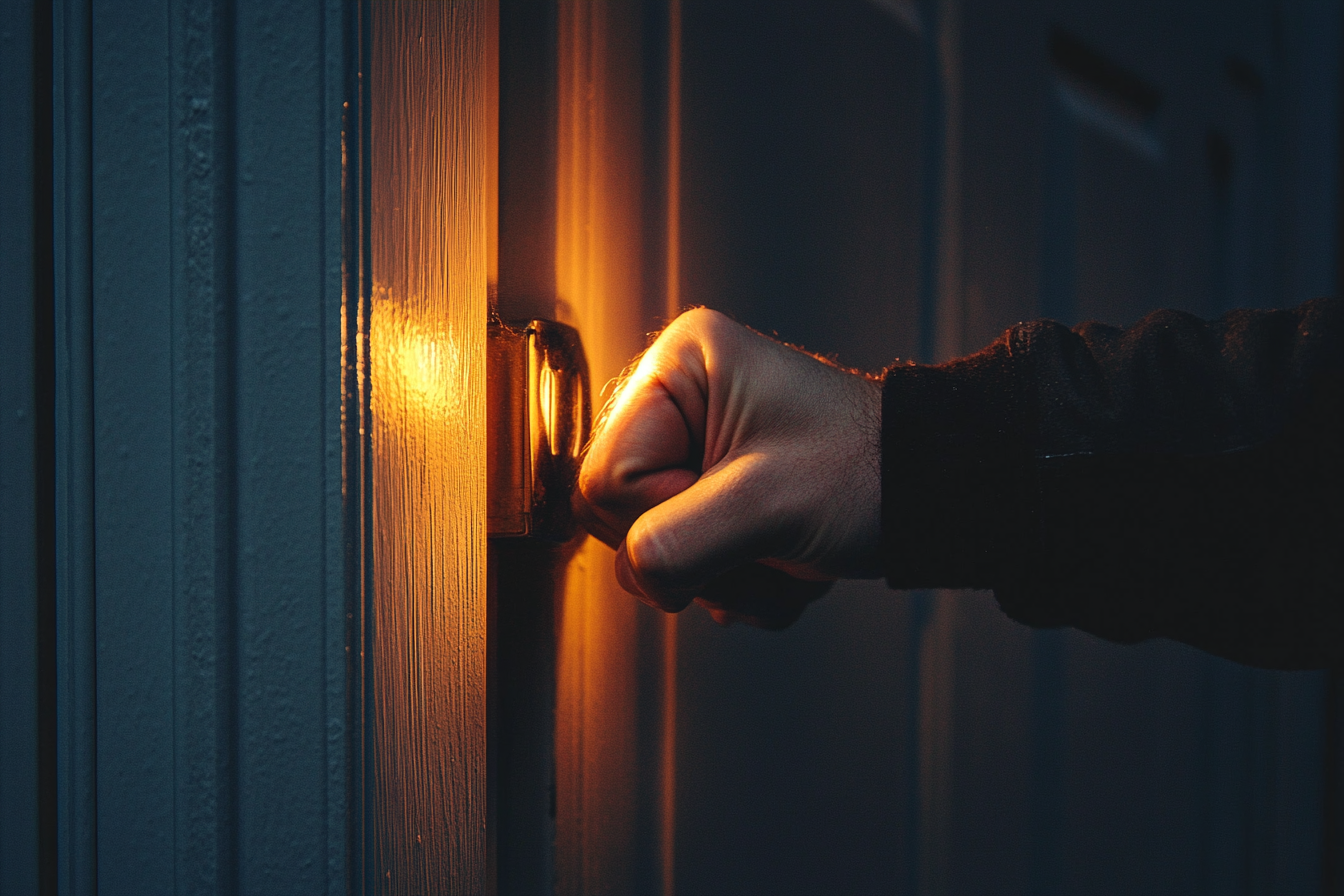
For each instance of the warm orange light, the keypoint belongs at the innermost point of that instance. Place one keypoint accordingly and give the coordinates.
(550, 413)
(417, 368)
(426, 335)
(601, 770)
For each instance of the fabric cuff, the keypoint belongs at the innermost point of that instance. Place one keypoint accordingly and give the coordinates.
(958, 475)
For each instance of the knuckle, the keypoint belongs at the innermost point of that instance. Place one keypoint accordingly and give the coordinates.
(600, 490)
(592, 484)
(705, 323)
(654, 556)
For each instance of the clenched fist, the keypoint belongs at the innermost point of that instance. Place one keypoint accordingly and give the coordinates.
(737, 471)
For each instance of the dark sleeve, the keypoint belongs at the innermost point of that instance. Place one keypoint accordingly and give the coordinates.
(1180, 478)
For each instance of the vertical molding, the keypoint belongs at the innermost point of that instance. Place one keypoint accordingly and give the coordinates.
(357, 440)
(203, 475)
(285, 444)
(342, 64)
(941, 303)
(76, 732)
(201, 743)
(26, 345)
(673, 187)
(427, 367)
(949, 323)
(133, 441)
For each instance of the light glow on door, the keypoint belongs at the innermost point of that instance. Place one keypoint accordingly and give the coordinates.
(425, 636)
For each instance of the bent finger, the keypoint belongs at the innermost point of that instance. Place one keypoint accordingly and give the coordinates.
(730, 516)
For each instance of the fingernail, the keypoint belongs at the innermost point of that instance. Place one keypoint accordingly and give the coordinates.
(625, 573)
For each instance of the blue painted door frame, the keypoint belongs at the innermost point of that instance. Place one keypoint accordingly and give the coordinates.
(201, 582)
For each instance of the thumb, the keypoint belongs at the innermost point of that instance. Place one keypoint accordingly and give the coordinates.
(729, 516)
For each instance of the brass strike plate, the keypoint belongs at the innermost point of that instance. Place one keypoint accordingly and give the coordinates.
(539, 417)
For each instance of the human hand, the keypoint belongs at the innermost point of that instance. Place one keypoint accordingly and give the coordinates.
(737, 471)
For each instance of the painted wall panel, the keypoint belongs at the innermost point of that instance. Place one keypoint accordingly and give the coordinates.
(205, 753)
(199, 478)
(132, 396)
(287, 256)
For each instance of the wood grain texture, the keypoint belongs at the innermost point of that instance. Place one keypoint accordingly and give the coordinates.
(427, 367)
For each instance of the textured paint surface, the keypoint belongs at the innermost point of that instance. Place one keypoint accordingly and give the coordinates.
(72, 238)
(198, 224)
(427, 370)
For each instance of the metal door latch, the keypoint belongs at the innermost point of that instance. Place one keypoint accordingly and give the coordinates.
(539, 418)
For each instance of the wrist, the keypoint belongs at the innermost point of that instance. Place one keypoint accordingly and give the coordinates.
(867, 421)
